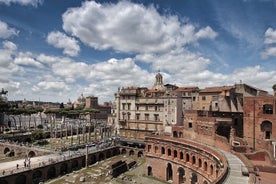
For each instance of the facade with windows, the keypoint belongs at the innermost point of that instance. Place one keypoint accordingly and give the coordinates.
(259, 122)
(141, 110)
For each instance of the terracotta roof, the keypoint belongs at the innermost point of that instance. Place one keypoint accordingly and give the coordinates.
(216, 89)
(189, 88)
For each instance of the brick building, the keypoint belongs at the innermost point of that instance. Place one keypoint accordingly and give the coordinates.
(259, 122)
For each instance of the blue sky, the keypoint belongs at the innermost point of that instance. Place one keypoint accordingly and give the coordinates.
(56, 50)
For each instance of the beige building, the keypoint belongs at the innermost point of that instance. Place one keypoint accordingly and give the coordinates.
(139, 110)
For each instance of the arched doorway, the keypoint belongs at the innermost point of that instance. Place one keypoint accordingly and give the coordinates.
(194, 178)
(131, 152)
(123, 151)
(75, 165)
(101, 156)
(31, 154)
(149, 171)
(21, 179)
(169, 172)
(140, 154)
(37, 176)
(181, 175)
(51, 173)
(63, 169)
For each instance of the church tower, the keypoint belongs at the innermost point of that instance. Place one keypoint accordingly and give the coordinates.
(158, 85)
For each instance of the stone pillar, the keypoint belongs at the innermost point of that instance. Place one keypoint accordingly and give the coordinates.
(86, 156)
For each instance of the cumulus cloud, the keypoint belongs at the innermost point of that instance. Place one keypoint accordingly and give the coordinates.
(270, 36)
(179, 60)
(60, 40)
(129, 27)
(27, 59)
(51, 85)
(269, 41)
(6, 31)
(22, 2)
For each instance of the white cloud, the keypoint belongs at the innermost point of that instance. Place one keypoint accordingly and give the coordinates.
(22, 2)
(60, 40)
(129, 27)
(52, 85)
(179, 60)
(269, 42)
(27, 59)
(6, 31)
(270, 36)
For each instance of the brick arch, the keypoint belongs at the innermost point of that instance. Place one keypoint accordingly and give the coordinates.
(37, 176)
(21, 179)
(187, 157)
(169, 152)
(181, 155)
(181, 175)
(74, 164)
(63, 168)
(131, 152)
(190, 155)
(193, 159)
(175, 154)
(31, 154)
(140, 153)
(6, 150)
(51, 172)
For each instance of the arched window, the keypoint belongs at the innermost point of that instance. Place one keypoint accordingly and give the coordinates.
(266, 127)
(162, 150)
(174, 153)
(187, 157)
(149, 171)
(193, 160)
(169, 152)
(205, 166)
(211, 169)
(174, 133)
(199, 163)
(156, 149)
(181, 155)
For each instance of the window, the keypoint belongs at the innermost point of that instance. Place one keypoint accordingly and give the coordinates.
(146, 116)
(124, 106)
(190, 125)
(147, 108)
(128, 106)
(137, 107)
(149, 148)
(137, 116)
(194, 98)
(162, 150)
(156, 108)
(203, 98)
(266, 127)
(267, 109)
(156, 117)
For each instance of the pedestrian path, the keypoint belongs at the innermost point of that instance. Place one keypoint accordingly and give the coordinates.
(235, 170)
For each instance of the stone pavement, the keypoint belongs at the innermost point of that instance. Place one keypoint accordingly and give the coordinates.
(235, 170)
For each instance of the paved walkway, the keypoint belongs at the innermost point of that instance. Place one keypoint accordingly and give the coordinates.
(235, 170)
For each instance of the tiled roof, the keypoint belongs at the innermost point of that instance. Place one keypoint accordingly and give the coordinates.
(189, 88)
(216, 89)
